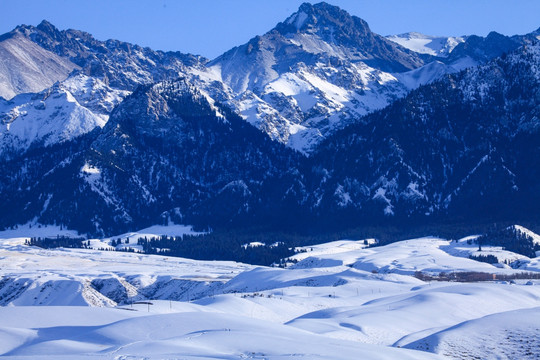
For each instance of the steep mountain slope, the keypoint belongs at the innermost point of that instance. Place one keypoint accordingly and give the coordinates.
(102, 74)
(321, 69)
(320, 29)
(179, 150)
(465, 51)
(460, 146)
(311, 75)
(27, 67)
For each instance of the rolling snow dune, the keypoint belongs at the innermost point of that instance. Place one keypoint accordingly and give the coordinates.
(185, 335)
(34, 276)
(423, 310)
(514, 334)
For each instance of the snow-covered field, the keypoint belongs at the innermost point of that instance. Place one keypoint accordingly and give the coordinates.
(340, 300)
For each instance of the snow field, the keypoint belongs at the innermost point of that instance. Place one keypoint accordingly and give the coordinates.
(339, 301)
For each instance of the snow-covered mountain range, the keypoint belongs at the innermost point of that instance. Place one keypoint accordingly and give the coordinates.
(352, 125)
(317, 127)
(314, 73)
(318, 70)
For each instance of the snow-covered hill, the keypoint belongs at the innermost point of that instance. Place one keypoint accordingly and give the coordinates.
(180, 332)
(429, 255)
(350, 300)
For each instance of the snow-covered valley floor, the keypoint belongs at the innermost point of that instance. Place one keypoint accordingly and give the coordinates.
(335, 301)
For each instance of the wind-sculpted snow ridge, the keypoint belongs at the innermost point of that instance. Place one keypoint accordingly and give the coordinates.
(186, 333)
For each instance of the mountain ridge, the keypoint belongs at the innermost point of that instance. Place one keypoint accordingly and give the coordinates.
(190, 149)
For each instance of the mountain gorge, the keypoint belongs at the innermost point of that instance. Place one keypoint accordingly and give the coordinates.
(319, 120)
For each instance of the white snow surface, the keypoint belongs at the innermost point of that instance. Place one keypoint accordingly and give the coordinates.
(425, 44)
(514, 334)
(338, 300)
(129, 240)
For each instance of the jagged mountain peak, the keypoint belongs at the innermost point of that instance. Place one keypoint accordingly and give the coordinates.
(320, 30)
(312, 73)
(48, 27)
(322, 17)
(160, 110)
(119, 64)
(44, 28)
(482, 49)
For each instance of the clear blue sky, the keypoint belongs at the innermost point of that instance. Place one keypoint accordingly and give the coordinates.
(210, 27)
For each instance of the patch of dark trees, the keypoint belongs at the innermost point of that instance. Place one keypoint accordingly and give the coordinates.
(56, 242)
(474, 276)
(490, 259)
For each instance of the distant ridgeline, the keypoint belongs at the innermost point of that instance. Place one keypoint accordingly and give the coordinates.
(273, 248)
(237, 247)
(509, 237)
